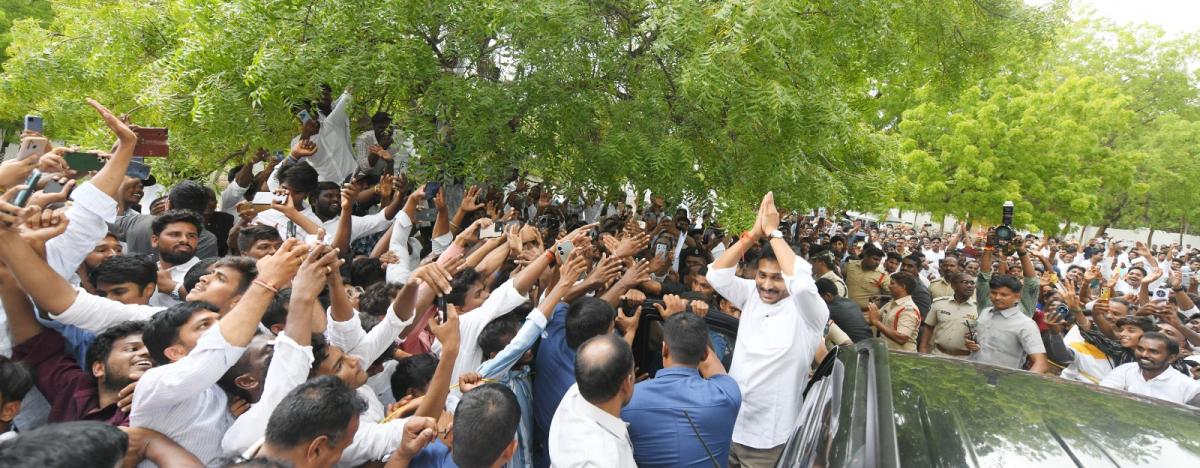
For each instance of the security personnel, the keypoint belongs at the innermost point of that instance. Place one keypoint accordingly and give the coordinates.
(899, 321)
(946, 326)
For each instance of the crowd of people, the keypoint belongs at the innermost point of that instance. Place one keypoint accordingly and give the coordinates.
(324, 309)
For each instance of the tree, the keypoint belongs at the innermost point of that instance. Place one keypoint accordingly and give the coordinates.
(687, 97)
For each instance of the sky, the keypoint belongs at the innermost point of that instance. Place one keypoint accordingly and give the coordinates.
(1174, 16)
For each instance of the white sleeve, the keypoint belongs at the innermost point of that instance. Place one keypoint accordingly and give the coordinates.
(345, 335)
(289, 368)
(94, 313)
(361, 151)
(363, 226)
(726, 282)
(803, 291)
(273, 181)
(373, 442)
(441, 243)
(502, 301)
(182, 380)
(399, 272)
(1114, 379)
(232, 195)
(89, 216)
(377, 340)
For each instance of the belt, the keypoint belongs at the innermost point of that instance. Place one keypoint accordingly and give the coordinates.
(952, 352)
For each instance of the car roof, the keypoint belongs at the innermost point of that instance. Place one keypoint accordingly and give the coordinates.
(952, 412)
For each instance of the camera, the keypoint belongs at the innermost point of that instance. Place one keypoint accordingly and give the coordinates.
(1004, 232)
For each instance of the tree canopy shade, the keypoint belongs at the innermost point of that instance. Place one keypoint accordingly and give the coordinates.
(684, 96)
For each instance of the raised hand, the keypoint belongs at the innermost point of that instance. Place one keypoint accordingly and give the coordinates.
(126, 139)
(671, 305)
(43, 225)
(278, 269)
(303, 149)
(321, 261)
(470, 202)
(770, 215)
(446, 332)
(434, 276)
(419, 431)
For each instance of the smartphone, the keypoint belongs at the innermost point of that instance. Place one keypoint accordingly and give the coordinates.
(33, 123)
(431, 190)
(1105, 293)
(660, 250)
(152, 141)
(30, 187)
(561, 251)
(490, 232)
(303, 116)
(83, 162)
(262, 201)
(138, 170)
(440, 303)
(1064, 313)
(32, 147)
(1053, 278)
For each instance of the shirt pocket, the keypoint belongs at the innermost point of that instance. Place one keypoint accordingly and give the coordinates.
(777, 332)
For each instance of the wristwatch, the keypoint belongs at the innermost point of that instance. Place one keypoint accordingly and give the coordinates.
(776, 234)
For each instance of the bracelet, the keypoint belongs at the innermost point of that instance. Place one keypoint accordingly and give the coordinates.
(266, 286)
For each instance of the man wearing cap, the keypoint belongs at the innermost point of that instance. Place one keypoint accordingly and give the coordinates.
(377, 151)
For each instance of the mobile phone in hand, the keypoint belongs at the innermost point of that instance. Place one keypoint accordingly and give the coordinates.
(440, 303)
(304, 116)
(431, 190)
(33, 123)
(30, 187)
(562, 251)
(83, 162)
(32, 147)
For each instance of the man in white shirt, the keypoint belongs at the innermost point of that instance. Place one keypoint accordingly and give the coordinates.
(297, 219)
(782, 321)
(377, 150)
(333, 159)
(194, 346)
(587, 429)
(1152, 374)
(328, 207)
(175, 235)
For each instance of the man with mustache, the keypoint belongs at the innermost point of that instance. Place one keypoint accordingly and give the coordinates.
(176, 235)
(782, 321)
(1152, 374)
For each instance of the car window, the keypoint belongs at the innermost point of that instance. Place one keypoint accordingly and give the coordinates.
(810, 444)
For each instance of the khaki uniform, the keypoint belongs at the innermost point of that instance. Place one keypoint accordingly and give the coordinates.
(948, 319)
(862, 284)
(902, 315)
(837, 281)
(940, 288)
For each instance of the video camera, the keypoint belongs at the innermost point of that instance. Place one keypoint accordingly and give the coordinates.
(1004, 234)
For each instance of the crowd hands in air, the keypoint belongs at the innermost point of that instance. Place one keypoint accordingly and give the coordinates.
(325, 310)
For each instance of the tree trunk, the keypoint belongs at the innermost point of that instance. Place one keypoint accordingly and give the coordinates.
(1102, 229)
(1183, 227)
(1150, 237)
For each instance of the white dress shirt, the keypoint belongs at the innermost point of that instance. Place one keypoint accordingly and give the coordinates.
(1171, 385)
(360, 226)
(182, 400)
(164, 298)
(333, 160)
(279, 221)
(775, 345)
(405, 248)
(232, 195)
(90, 213)
(502, 301)
(401, 149)
(290, 366)
(582, 435)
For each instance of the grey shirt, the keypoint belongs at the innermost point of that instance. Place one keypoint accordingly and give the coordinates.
(846, 314)
(1006, 337)
(135, 230)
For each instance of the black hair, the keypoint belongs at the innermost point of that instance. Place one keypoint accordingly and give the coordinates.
(197, 271)
(1140, 321)
(767, 254)
(277, 310)
(102, 345)
(600, 373)
(837, 238)
(117, 269)
(904, 279)
(247, 236)
(588, 317)
(244, 265)
(366, 271)
(489, 416)
(189, 195)
(320, 349)
(413, 372)
(918, 259)
(894, 256)
(826, 286)
(238, 462)
(322, 406)
(1172, 345)
(1005, 281)
(1137, 267)
(462, 283)
(299, 177)
(686, 335)
(15, 380)
(322, 187)
(869, 250)
(66, 445)
(162, 330)
(377, 298)
(243, 366)
(1072, 267)
(176, 216)
(823, 256)
(497, 334)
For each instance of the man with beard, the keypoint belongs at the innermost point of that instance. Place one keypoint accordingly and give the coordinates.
(782, 321)
(327, 205)
(137, 229)
(943, 286)
(1152, 374)
(176, 234)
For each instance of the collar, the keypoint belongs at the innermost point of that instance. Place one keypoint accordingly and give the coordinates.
(970, 300)
(608, 422)
(185, 266)
(681, 371)
(1006, 313)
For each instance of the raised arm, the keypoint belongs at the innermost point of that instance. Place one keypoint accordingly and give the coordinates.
(109, 179)
(22, 324)
(439, 386)
(47, 288)
(274, 272)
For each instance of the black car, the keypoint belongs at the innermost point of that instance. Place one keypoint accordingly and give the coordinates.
(867, 407)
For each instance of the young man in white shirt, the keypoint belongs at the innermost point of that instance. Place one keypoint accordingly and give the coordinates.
(1152, 374)
(587, 429)
(782, 321)
(194, 346)
(175, 235)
